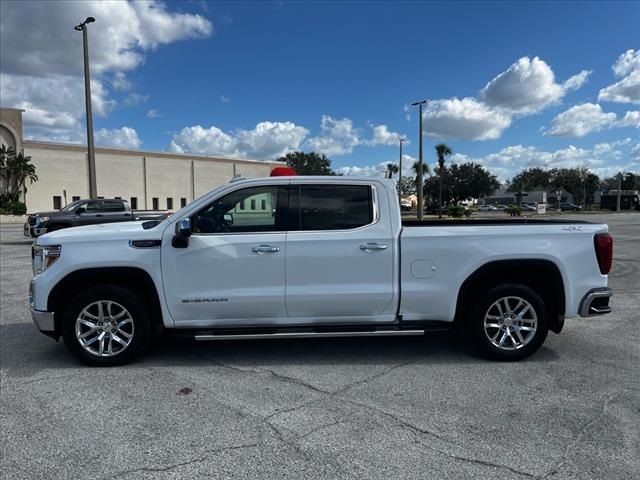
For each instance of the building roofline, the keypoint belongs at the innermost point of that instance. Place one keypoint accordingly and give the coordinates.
(14, 109)
(124, 151)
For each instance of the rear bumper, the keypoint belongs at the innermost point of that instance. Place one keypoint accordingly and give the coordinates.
(596, 302)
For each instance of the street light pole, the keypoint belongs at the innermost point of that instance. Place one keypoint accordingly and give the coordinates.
(400, 139)
(93, 189)
(420, 189)
(619, 191)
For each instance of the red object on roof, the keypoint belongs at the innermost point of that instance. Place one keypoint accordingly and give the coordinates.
(283, 172)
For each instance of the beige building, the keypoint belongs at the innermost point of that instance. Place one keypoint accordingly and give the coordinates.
(148, 180)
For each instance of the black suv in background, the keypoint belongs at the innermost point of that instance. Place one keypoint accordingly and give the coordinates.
(88, 212)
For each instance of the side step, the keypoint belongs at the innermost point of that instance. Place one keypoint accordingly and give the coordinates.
(262, 336)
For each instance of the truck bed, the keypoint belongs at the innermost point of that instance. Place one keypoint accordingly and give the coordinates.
(491, 222)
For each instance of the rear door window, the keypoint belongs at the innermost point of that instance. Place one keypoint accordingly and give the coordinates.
(335, 207)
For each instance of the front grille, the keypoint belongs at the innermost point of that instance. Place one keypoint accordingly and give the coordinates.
(32, 220)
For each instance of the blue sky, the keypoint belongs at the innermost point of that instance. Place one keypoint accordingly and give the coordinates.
(512, 84)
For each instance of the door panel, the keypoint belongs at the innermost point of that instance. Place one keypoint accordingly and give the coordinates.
(220, 277)
(345, 272)
(233, 270)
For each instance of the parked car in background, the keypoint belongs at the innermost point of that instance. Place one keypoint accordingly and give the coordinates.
(87, 212)
(487, 208)
(528, 207)
(432, 209)
(324, 257)
(405, 204)
(570, 207)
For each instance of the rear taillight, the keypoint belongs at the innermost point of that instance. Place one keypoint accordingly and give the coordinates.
(604, 251)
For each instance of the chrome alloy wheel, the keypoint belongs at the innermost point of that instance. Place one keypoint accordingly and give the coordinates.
(104, 328)
(510, 323)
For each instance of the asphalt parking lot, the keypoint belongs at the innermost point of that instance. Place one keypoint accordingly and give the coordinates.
(379, 408)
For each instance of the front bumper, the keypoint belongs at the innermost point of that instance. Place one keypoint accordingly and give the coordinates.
(33, 231)
(43, 320)
(596, 302)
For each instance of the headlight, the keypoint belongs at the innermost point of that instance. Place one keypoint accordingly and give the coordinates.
(41, 220)
(44, 256)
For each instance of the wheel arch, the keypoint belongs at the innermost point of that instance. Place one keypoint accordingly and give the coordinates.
(541, 275)
(136, 279)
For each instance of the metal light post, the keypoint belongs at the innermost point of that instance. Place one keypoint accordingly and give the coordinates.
(400, 139)
(93, 189)
(420, 192)
(619, 192)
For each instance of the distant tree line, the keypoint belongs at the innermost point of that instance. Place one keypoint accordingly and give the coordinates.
(470, 180)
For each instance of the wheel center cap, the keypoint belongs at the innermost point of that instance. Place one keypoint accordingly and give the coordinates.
(508, 322)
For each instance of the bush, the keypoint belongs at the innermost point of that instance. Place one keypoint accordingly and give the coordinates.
(467, 212)
(12, 207)
(456, 211)
(513, 210)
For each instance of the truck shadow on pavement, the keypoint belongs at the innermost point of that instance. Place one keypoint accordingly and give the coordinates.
(24, 352)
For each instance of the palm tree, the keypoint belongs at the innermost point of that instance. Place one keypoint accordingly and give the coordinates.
(416, 167)
(391, 169)
(443, 151)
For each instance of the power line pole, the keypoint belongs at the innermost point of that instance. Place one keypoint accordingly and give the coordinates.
(420, 179)
(93, 189)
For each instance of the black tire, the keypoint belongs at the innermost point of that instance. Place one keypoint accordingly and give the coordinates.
(486, 304)
(138, 326)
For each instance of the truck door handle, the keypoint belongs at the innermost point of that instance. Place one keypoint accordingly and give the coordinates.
(367, 247)
(260, 249)
(98, 214)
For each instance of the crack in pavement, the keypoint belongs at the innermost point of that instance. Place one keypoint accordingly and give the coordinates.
(198, 459)
(421, 431)
(563, 458)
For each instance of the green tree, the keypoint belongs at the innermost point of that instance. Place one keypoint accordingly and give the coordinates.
(630, 181)
(469, 180)
(308, 163)
(391, 169)
(408, 186)
(443, 151)
(16, 170)
(579, 182)
(529, 179)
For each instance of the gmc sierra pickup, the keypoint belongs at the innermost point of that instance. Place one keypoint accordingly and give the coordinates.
(314, 256)
(87, 212)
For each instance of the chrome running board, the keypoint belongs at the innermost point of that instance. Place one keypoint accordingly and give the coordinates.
(262, 336)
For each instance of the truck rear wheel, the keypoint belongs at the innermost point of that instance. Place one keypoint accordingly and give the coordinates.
(106, 325)
(509, 322)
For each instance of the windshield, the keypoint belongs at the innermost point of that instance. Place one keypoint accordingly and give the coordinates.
(72, 206)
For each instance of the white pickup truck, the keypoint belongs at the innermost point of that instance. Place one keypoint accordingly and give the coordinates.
(314, 256)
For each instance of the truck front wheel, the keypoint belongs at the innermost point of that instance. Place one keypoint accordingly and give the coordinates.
(509, 322)
(106, 325)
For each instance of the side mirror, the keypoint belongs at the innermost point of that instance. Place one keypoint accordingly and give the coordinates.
(183, 232)
(81, 210)
(183, 228)
(228, 218)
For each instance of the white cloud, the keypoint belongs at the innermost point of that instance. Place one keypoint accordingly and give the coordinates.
(379, 169)
(580, 120)
(268, 140)
(631, 119)
(224, 99)
(627, 90)
(528, 86)
(133, 99)
(465, 119)
(382, 136)
(153, 113)
(125, 137)
(42, 65)
(337, 137)
(635, 153)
